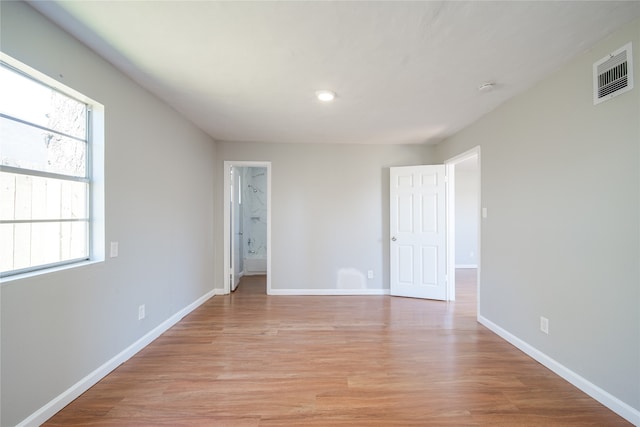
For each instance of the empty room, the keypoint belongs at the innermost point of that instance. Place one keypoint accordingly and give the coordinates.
(322, 213)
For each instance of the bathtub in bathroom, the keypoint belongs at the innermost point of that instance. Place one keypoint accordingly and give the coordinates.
(254, 266)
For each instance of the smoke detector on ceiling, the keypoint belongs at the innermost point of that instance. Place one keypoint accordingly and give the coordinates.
(487, 87)
(613, 75)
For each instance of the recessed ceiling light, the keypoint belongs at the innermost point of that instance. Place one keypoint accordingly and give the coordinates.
(325, 95)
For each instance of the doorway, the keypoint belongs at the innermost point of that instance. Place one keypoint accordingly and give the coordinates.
(247, 222)
(463, 231)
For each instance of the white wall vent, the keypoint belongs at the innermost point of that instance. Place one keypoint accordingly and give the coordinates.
(613, 75)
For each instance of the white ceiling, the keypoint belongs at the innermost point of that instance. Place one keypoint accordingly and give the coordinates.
(404, 72)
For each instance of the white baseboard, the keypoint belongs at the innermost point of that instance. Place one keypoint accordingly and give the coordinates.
(616, 405)
(329, 292)
(66, 397)
(218, 291)
(466, 265)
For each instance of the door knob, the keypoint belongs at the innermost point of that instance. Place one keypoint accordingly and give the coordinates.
(394, 238)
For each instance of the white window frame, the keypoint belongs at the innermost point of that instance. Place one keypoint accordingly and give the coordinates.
(94, 176)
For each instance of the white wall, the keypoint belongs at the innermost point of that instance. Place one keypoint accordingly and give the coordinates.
(57, 328)
(560, 180)
(330, 209)
(466, 218)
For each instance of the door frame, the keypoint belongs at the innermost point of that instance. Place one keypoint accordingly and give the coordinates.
(450, 166)
(227, 246)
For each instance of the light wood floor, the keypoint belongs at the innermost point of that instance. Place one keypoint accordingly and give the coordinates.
(249, 359)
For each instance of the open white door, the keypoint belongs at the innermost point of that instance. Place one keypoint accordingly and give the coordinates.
(418, 232)
(235, 237)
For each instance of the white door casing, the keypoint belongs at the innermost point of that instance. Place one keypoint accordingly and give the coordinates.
(418, 261)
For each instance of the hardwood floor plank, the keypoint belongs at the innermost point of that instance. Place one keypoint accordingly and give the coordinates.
(252, 360)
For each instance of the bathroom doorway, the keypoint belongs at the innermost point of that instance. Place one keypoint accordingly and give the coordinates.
(247, 222)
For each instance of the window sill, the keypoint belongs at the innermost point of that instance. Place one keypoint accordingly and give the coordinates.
(31, 274)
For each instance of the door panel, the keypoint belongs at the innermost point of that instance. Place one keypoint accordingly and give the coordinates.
(418, 232)
(405, 264)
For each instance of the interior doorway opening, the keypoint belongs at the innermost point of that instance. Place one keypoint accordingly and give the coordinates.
(463, 231)
(247, 222)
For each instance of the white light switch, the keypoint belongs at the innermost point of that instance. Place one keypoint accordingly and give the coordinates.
(484, 212)
(114, 250)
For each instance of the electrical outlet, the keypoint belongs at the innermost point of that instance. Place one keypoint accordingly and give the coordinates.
(544, 324)
(369, 274)
(141, 312)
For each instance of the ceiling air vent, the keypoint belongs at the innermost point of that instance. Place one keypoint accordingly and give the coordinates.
(613, 75)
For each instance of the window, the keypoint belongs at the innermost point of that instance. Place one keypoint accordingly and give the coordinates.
(45, 172)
